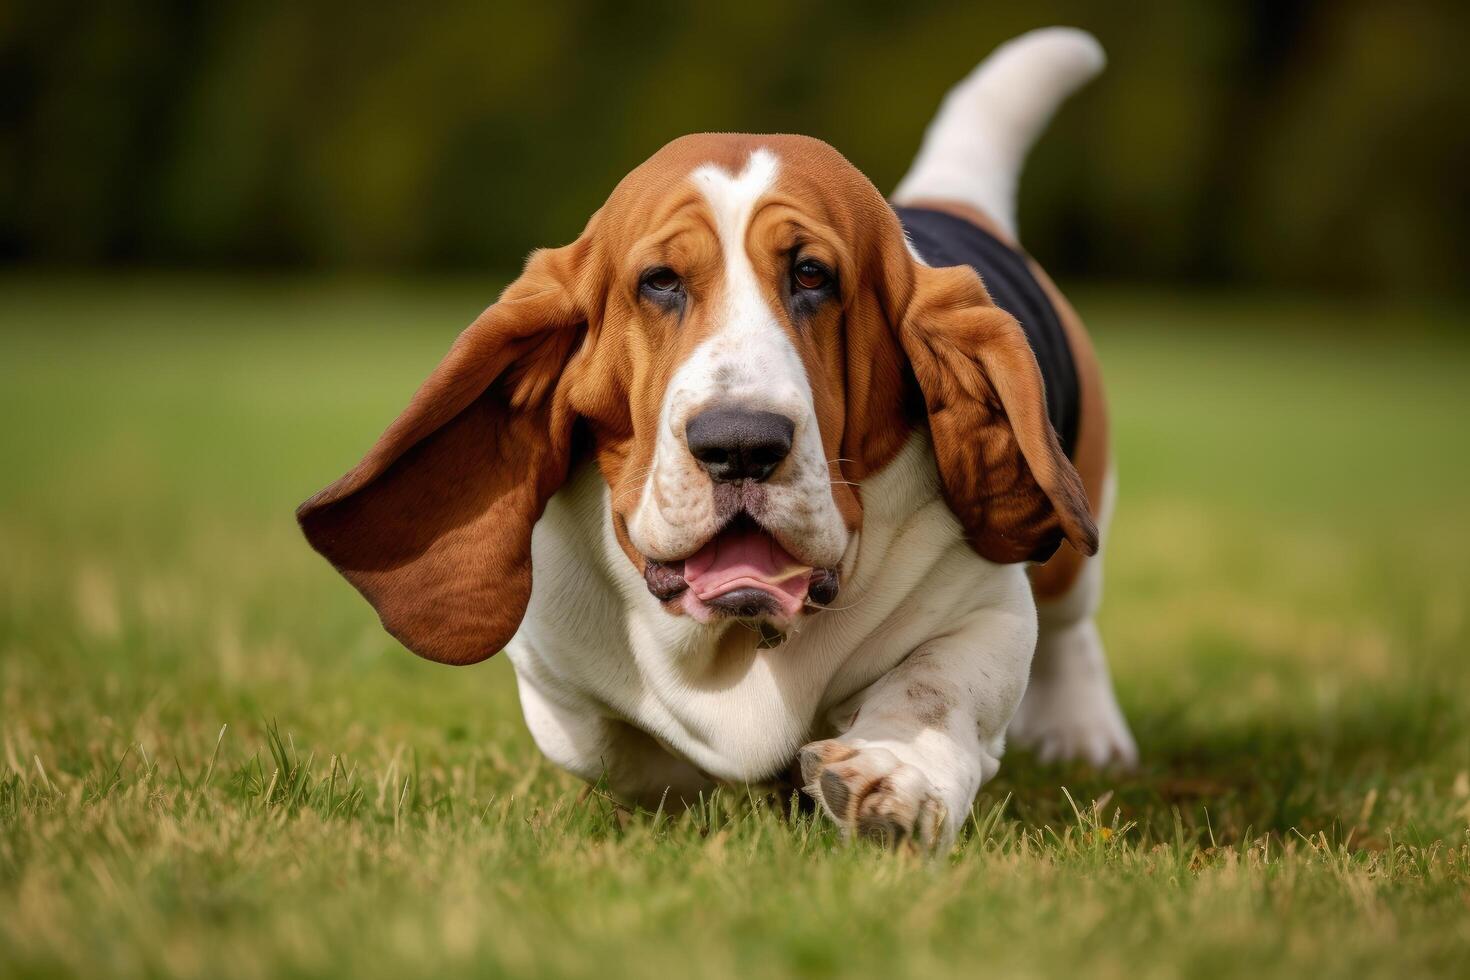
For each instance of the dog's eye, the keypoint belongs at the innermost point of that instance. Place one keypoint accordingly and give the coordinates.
(810, 274)
(660, 280)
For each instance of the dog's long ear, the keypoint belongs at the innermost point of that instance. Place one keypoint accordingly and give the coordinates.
(1003, 470)
(433, 527)
(1001, 466)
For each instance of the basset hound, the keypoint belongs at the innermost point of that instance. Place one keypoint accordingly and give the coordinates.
(753, 479)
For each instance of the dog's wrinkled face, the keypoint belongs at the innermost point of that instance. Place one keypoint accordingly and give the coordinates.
(739, 337)
(728, 499)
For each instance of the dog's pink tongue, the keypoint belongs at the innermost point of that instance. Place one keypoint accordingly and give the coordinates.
(748, 558)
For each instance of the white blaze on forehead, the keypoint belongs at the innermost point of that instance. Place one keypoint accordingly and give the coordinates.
(732, 198)
(748, 361)
(748, 358)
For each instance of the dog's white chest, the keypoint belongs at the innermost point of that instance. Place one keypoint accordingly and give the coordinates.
(594, 638)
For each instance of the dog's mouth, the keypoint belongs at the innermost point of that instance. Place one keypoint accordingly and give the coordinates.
(742, 572)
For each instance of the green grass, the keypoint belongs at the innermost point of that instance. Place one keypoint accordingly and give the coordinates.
(214, 763)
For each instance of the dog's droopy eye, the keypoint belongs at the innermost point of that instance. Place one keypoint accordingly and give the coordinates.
(660, 280)
(810, 274)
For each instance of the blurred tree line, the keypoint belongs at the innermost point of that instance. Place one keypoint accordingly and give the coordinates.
(1284, 144)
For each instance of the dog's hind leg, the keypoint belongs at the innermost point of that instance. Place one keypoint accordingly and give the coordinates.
(1069, 711)
(974, 149)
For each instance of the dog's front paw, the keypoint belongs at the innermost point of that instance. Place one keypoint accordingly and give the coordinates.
(870, 793)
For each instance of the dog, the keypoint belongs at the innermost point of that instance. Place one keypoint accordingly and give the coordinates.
(746, 483)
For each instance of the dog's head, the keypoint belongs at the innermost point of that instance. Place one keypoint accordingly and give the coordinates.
(739, 337)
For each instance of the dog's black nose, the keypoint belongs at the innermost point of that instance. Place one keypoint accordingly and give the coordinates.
(735, 444)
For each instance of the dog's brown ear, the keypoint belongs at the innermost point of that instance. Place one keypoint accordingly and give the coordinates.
(1002, 468)
(433, 527)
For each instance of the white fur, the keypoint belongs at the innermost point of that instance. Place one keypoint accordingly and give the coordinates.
(612, 684)
(974, 149)
(749, 361)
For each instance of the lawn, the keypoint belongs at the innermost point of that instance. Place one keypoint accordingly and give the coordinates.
(214, 763)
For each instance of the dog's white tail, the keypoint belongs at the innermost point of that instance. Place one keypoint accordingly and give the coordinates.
(974, 149)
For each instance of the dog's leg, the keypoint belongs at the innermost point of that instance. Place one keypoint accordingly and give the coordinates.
(1070, 711)
(927, 734)
(590, 745)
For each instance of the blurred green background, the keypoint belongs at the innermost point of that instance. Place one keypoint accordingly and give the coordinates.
(233, 238)
(1290, 145)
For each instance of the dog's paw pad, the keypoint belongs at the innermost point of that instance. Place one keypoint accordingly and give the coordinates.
(816, 756)
(869, 793)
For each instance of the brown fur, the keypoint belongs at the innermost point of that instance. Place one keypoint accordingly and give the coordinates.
(1052, 579)
(434, 525)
